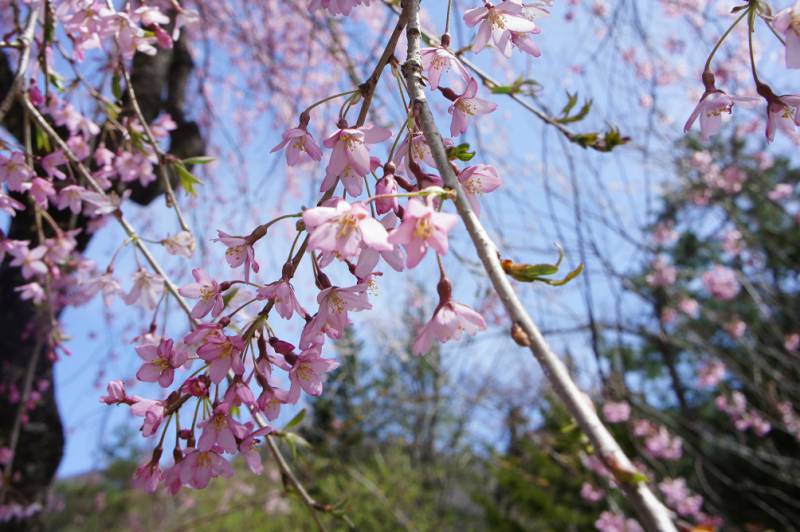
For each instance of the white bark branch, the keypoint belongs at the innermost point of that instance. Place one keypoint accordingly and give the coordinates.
(652, 514)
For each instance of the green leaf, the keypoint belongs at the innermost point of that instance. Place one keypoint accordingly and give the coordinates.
(230, 294)
(199, 160)
(295, 440)
(529, 273)
(570, 276)
(116, 86)
(42, 141)
(187, 179)
(296, 419)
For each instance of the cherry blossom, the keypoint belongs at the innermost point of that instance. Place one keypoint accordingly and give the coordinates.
(207, 291)
(161, 360)
(308, 372)
(199, 467)
(497, 24)
(282, 294)
(422, 227)
(240, 251)
(478, 179)
(449, 320)
(787, 23)
(437, 60)
(721, 283)
(466, 107)
(350, 153)
(147, 287)
(220, 431)
(300, 147)
(222, 353)
(344, 229)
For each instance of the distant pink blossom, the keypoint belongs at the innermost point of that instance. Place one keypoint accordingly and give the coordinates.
(711, 373)
(736, 328)
(616, 412)
(721, 283)
(147, 287)
(791, 342)
(613, 522)
(590, 493)
(661, 273)
(148, 475)
(781, 191)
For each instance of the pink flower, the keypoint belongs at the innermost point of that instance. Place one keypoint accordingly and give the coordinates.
(678, 496)
(467, 106)
(448, 321)
(70, 196)
(223, 353)
(422, 226)
(332, 317)
(590, 493)
(787, 22)
(476, 180)
(240, 251)
(147, 476)
(30, 260)
(9, 205)
(270, 401)
(344, 229)
(160, 362)
(613, 522)
(248, 451)
(386, 186)
(134, 167)
(301, 147)
(15, 171)
(102, 283)
(616, 412)
(791, 342)
(437, 60)
(782, 114)
(33, 292)
(736, 327)
(497, 23)
(368, 258)
(282, 294)
(721, 283)
(153, 413)
(661, 274)
(209, 293)
(781, 191)
(199, 467)
(116, 393)
(710, 108)
(661, 444)
(350, 153)
(180, 244)
(220, 430)
(308, 372)
(147, 287)
(711, 373)
(414, 148)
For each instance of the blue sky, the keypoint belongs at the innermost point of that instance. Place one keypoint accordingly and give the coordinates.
(527, 220)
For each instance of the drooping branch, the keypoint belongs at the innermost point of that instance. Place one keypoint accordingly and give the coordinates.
(652, 513)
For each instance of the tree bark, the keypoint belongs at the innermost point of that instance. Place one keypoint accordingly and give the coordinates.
(40, 446)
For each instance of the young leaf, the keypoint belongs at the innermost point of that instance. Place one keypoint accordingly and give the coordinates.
(187, 179)
(296, 419)
(199, 160)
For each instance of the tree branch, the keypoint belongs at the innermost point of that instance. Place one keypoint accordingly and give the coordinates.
(653, 514)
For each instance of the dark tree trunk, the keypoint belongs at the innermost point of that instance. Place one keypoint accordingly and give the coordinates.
(159, 83)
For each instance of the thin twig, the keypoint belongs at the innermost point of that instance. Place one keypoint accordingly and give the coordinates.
(25, 42)
(652, 513)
